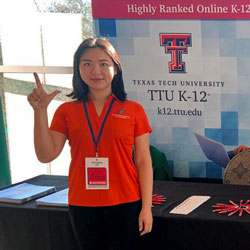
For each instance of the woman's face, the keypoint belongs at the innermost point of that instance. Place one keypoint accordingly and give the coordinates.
(97, 70)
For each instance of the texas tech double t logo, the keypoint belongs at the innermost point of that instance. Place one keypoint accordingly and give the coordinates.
(176, 45)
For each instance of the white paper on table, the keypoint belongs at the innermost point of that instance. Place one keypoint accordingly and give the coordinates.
(189, 204)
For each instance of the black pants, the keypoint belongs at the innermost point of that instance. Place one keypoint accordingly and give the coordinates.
(107, 228)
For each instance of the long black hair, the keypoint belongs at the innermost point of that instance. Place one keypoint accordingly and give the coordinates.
(80, 88)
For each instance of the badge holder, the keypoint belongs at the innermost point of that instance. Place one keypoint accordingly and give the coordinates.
(97, 173)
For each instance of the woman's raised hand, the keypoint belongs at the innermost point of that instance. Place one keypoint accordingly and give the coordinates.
(38, 98)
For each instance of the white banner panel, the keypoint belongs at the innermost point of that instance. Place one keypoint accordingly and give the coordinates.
(190, 76)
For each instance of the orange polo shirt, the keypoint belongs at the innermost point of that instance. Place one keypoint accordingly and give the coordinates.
(126, 121)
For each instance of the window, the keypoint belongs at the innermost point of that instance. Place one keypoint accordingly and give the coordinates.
(36, 37)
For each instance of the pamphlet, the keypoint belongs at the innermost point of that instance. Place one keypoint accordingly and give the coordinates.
(24, 192)
(58, 199)
(189, 204)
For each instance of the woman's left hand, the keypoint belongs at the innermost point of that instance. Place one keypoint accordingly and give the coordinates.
(145, 221)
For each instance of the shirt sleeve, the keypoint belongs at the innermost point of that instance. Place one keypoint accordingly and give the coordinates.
(142, 124)
(59, 121)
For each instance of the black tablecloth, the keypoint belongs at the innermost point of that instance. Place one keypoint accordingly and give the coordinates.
(201, 229)
(31, 227)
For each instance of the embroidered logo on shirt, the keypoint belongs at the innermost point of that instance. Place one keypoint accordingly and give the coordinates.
(121, 116)
(121, 111)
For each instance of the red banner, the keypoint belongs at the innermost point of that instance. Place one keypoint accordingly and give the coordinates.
(171, 9)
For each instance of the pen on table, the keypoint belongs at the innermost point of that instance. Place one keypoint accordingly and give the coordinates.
(222, 211)
(245, 203)
(241, 203)
(235, 211)
(219, 209)
(241, 211)
(163, 200)
(226, 211)
(156, 202)
(158, 196)
(224, 207)
(233, 203)
(245, 209)
(159, 199)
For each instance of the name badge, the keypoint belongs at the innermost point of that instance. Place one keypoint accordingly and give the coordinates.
(97, 173)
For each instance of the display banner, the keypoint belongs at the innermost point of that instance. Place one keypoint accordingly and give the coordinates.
(191, 76)
(171, 9)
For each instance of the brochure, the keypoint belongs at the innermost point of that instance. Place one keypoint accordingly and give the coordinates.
(58, 199)
(24, 192)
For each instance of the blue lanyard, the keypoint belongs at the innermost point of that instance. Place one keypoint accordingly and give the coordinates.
(101, 129)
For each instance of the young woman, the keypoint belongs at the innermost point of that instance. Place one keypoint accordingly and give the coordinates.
(110, 198)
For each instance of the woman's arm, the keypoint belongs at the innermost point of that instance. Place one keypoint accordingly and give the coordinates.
(48, 144)
(143, 165)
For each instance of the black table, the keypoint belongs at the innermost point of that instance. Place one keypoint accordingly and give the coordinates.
(201, 229)
(30, 227)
